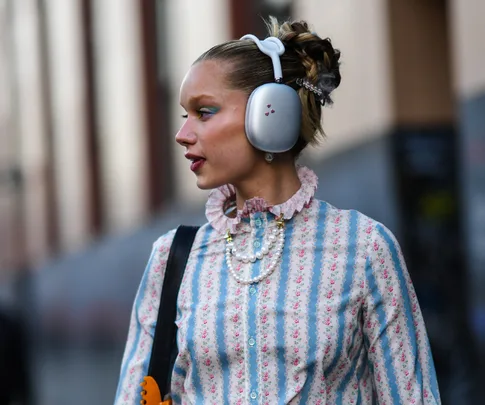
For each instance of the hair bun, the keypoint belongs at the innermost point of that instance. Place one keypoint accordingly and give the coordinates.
(318, 56)
(328, 77)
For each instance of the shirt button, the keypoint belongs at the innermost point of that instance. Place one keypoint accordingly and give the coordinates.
(258, 223)
(257, 244)
(253, 395)
(252, 342)
(252, 290)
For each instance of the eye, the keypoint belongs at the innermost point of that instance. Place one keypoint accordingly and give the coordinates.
(206, 112)
(202, 114)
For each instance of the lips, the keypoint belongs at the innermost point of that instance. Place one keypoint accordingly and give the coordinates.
(197, 164)
(196, 161)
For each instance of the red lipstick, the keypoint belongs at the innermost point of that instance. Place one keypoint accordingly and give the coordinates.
(197, 161)
(197, 164)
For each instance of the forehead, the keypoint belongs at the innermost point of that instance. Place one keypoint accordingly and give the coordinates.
(205, 78)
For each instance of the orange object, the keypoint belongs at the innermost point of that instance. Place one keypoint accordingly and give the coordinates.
(150, 393)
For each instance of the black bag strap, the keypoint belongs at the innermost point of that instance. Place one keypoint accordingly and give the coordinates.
(164, 348)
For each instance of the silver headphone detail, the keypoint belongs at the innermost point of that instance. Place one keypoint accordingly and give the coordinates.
(273, 111)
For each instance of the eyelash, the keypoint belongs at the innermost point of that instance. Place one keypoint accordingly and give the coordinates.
(200, 114)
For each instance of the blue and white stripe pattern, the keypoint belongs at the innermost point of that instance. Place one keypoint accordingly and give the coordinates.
(337, 322)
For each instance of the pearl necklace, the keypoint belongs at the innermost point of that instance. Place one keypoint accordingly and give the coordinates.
(277, 236)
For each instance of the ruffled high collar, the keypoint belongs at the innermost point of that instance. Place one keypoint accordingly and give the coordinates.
(217, 203)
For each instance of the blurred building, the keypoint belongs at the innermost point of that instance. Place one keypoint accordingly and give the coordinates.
(90, 174)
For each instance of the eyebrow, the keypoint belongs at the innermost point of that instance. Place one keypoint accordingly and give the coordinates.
(196, 99)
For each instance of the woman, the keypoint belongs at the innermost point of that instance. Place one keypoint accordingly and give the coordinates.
(285, 299)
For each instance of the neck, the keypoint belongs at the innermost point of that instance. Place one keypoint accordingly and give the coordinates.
(275, 183)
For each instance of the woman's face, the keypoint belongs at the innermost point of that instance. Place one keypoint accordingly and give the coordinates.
(213, 134)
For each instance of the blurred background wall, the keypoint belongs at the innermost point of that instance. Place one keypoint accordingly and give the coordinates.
(90, 174)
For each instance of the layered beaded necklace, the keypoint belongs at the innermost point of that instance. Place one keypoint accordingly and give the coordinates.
(276, 237)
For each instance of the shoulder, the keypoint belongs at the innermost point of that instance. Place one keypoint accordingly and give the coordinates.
(164, 242)
(361, 226)
(332, 213)
(155, 268)
(161, 247)
(157, 263)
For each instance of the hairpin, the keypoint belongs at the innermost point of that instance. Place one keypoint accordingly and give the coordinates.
(310, 87)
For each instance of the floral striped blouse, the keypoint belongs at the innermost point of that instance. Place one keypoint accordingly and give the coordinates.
(337, 322)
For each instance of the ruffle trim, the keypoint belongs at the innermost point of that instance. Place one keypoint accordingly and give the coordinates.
(218, 198)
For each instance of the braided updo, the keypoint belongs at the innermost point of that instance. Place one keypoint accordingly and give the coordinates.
(307, 56)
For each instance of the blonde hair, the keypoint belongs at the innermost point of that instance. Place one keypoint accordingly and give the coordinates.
(307, 56)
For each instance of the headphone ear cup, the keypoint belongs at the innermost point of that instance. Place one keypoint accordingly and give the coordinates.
(273, 118)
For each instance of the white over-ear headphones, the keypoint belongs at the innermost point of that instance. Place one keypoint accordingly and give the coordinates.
(273, 111)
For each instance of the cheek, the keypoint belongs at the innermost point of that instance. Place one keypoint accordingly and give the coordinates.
(229, 143)
(238, 151)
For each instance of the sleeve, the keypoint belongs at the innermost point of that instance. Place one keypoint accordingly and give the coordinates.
(399, 353)
(143, 319)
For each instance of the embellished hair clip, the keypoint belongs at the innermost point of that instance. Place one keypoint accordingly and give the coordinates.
(310, 87)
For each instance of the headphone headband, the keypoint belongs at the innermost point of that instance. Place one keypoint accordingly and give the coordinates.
(274, 48)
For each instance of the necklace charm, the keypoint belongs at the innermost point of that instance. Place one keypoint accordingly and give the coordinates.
(276, 237)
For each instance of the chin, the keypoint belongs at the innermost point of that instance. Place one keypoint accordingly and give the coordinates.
(206, 183)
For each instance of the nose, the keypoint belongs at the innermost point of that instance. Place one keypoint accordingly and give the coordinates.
(186, 136)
